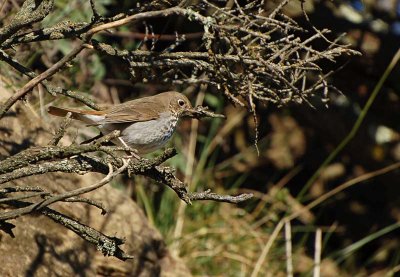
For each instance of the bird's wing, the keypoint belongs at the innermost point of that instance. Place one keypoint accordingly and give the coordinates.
(134, 111)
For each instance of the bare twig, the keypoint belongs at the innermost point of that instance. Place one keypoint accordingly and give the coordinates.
(87, 201)
(32, 83)
(161, 37)
(25, 196)
(208, 195)
(201, 112)
(5, 190)
(96, 14)
(61, 130)
(37, 206)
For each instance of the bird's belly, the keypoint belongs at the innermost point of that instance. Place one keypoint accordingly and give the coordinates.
(146, 136)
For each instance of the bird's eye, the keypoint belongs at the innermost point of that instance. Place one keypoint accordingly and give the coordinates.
(181, 102)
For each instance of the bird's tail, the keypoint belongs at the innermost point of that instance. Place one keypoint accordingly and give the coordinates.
(90, 117)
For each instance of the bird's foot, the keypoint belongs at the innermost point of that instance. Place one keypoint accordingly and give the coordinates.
(131, 152)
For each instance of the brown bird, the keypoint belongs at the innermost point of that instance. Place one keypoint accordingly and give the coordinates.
(146, 124)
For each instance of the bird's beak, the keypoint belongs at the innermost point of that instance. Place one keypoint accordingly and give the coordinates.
(200, 112)
(191, 113)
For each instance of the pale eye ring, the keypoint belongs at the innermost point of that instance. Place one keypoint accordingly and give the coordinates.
(181, 102)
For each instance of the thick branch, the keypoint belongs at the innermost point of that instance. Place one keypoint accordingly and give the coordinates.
(37, 154)
(30, 12)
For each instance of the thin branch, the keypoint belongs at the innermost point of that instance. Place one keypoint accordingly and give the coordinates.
(201, 112)
(32, 83)
(161, 37)
(5, 190)
(208, 195)
(61, 130)
(91, 202)
(25, 196)
(96, 14)
(52, 90)
(46, 202)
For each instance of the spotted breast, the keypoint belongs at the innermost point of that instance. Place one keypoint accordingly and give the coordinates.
(145, 136)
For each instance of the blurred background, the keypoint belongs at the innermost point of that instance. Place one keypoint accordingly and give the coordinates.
(359, 225)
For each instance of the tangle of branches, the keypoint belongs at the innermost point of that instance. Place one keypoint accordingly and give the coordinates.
(250, 53)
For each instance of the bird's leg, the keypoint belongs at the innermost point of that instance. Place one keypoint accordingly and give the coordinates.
(130, 151)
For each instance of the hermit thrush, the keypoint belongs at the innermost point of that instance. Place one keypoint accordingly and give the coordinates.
(146, 124)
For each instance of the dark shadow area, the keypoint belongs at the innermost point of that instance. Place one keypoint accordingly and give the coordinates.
(76, 259)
